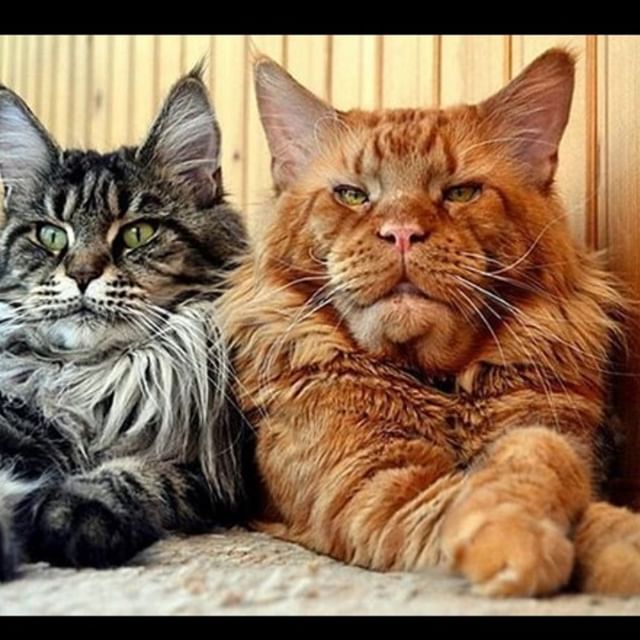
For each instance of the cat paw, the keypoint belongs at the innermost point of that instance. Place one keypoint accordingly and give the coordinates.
(607, 543)
(71, 529)
(505, 552)
(8, 554)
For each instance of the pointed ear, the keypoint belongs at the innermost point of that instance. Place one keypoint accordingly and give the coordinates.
(184, 141)
(532, 112)
(27, 151)
(292, 118)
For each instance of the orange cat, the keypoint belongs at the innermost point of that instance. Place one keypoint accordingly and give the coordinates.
(422, 348)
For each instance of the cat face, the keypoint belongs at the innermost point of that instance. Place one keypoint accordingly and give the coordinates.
(424, 227)
(95, 249)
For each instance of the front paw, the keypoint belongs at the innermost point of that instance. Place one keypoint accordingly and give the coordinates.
(504, 551)
(8, 553)
(71, 529)
(608, 551)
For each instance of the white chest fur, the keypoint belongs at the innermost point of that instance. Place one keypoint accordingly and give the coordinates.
(162, 398)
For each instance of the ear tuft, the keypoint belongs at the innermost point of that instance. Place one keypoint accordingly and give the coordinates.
(184, 141)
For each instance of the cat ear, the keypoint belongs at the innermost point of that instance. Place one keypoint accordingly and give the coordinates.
(27, 151)
(184, 141)
(291, 116)
(532, 111)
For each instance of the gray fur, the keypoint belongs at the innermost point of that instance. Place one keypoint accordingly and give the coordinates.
(115, 415)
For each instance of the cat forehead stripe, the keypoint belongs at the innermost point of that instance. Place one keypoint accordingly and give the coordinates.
(88, 184)
(113, 201)
(70, 203)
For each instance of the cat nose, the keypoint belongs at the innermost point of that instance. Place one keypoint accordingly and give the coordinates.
(84, 275)
(403, 235)
(85, 271)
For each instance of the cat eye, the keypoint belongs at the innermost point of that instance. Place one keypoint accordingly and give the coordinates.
(462, 193)
(135, 235)
(351, 196)
(52, 237)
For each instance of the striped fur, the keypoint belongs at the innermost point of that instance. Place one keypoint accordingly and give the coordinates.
(427, 373)
(116, 420)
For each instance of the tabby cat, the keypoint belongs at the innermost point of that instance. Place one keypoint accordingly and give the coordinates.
(115, 419)
(423, 348)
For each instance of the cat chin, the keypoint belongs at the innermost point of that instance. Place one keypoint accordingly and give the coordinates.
(398, 319)
(73, 336)
(426, 331)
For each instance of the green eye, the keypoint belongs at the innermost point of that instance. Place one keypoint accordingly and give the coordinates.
(462, 193)
(351, 196)
(52, 238)
(135, 235)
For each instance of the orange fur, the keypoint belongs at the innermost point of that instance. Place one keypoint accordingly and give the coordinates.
(362, 455)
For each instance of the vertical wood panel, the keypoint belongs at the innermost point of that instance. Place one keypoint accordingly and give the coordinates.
(473, 68)
(24, 67)
(409, 71)
(38, 65)
(46, 108)
(100, 86)
(170, 60)
(77, 106)
(10, 70)
(231, 105)
(623, 203)
(356, 68)
(258, 173)
(602, 141)
(309, 62)
(144, 52)
(31, 69)
(4, 57)
(120, 102)
(592, 131)
(574, 150)
(62, 89)
(18, 64)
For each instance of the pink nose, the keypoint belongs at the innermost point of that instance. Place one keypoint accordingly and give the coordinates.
(402, 235)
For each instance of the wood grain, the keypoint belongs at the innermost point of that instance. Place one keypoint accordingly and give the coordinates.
(356, 70)
(258, 168)
(230, 99)
(472, 68)
(409, 71)
(623, 221)
(308, 60)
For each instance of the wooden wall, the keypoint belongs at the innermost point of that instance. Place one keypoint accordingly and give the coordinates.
(102, 91)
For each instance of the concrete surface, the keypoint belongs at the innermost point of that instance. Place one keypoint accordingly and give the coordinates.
(240, 573)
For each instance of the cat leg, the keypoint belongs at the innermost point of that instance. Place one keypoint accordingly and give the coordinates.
(30, 444)
(380, 508)
(32, 453)
(508, 530)
(105, 516)
(607, 541)
(13, 490)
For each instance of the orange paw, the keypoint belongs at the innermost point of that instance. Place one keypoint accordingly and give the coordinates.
(608, 551)
(504, 551)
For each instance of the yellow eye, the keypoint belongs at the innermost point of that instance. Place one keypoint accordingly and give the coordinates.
(351, 196)
(135, 235)
(462, 193)
(52, 237)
